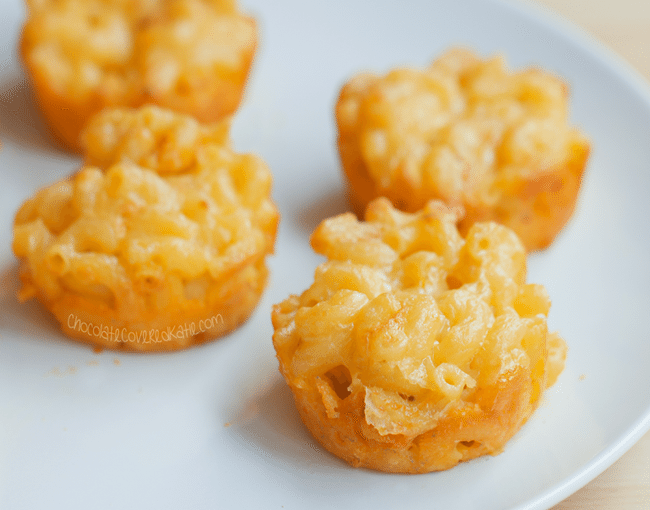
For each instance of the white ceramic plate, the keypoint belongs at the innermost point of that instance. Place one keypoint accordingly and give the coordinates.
(215, 426)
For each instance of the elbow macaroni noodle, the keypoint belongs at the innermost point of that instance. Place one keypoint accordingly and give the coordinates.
(415, 348)
(468, 132)
(191, 56)
(164, 225)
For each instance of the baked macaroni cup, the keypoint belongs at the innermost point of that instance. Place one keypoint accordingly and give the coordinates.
(470, 133)
(81, 56)
(158, 242)
(415, 348)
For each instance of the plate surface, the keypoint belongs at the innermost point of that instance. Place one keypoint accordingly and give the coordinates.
(215, 426)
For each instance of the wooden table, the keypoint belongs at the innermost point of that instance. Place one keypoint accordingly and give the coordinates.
(623, 25)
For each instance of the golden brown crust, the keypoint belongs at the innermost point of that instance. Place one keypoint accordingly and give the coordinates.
(461, 434)
(415, 349)
(467, 132)
(158, 242)
(192, 56)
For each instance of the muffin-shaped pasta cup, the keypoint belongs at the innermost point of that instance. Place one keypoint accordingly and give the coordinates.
(158, 242)
(467, 132)
(81, 56)
(415, 348)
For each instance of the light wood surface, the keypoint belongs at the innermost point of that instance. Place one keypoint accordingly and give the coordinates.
(624, 26)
